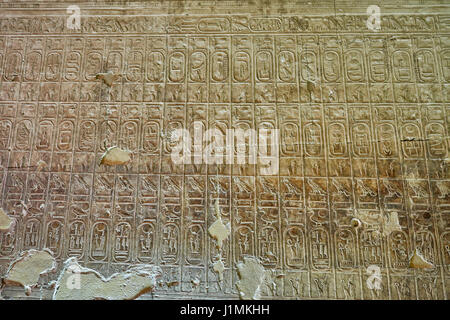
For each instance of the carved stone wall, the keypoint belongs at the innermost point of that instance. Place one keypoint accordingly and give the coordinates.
(363, 178)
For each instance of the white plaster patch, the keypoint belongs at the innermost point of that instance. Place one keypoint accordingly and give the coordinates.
(79, 283)
(115, 156)
(251, 274)
(27, 269)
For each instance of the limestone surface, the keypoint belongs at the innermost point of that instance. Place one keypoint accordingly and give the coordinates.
(115, 156)
(5, 221)
(79, 283)
(27, 269)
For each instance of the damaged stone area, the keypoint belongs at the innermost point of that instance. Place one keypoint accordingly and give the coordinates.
(417, 261)
(108, 78)
(251, 276)
(76, 282)
(218, 230)
(5, 221)
(79, 283)
(137, 144)
(26, 270)
(115, 156)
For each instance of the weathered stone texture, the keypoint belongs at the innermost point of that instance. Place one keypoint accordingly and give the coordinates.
(363, 177)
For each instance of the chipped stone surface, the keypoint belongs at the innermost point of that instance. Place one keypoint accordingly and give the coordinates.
(41, 165)
(251, 276)
(27, 269)
(115, 156)
(218, 230)
(219, 268)
(417, 261)
(5, 221)
(89, 119)
(76, 282)
(356, 223)
(391, 223)
(108, 77)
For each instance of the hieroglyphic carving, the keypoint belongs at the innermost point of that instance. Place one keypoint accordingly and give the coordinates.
(363, 123)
